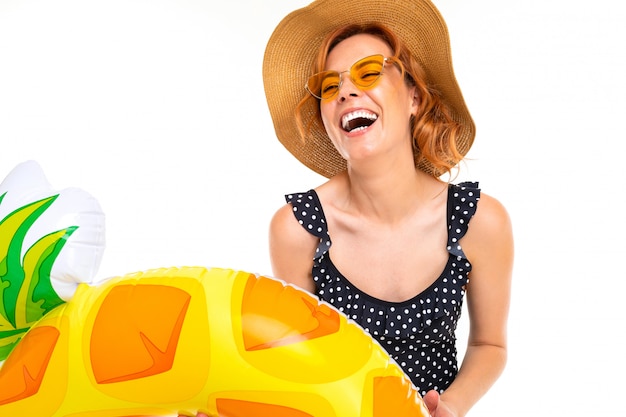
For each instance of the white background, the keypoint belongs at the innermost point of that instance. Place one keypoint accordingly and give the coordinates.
(156, 107)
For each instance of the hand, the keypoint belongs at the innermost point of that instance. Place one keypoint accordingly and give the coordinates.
(436, 407)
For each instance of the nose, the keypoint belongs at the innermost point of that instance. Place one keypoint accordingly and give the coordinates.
(347, 88)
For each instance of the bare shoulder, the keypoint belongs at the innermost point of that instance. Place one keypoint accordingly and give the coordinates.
(286, 231)
(284, 222)
(491, 215)
(292, 248)
(490, 230)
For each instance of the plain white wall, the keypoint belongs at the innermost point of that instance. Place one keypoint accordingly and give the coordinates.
(156, 107)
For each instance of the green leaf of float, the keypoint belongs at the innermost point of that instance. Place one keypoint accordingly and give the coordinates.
(8, 340)
(37, 296)
(13, 229)
(3, 267)
(5, 325)
(26, 293)
(7, 344)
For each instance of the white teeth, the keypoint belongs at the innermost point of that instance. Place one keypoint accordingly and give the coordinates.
(345, 120)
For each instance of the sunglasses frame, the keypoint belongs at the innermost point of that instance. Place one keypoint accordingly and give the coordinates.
(353, 67)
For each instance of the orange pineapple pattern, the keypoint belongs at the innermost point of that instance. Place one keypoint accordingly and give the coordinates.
(180, 340)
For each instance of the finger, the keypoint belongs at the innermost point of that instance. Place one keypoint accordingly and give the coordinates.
(431, 399)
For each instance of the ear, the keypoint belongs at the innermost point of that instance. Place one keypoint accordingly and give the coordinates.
(415, 101)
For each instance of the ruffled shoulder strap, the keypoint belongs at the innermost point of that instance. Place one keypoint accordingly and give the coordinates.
(462, 201)
(308, 211)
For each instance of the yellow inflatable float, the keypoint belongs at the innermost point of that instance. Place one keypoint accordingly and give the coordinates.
(225, 342)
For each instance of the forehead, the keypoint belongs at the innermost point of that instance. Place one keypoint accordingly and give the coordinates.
(350, 50)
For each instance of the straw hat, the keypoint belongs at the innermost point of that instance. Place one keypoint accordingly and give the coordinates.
(293, 47)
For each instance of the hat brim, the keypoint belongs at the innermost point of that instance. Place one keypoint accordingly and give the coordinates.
(296, 40)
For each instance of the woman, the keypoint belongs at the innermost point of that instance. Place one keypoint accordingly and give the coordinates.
(385, 239)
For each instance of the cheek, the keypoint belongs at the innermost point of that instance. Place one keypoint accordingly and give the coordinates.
(332, 129)
(404, 101)
(327, 119)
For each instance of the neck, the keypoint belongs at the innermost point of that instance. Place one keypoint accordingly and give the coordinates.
(390, 196)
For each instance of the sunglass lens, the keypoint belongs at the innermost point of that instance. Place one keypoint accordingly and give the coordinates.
(367, 71)
(324, 85)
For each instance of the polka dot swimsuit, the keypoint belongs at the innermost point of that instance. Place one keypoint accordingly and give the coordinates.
(419, 333)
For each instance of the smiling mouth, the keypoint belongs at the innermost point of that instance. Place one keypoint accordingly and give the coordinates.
(358, 120)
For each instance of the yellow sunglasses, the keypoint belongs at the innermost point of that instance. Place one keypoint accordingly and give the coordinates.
(364, 74)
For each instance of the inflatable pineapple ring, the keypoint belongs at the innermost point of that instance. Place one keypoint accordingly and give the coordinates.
(182, 340)
(224, 342)
(50, 241)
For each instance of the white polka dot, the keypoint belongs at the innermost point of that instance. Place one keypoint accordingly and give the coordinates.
(431, 328)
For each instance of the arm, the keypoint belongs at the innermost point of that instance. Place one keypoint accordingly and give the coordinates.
(489, 247)
(291, 249)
